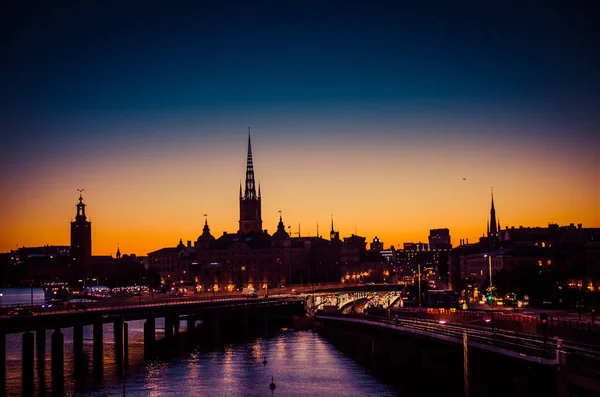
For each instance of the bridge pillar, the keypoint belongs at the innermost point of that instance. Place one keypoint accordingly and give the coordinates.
(176, 323)
(168, 326)
(58, 360)
(98, 350)
(2, 362)
(27, 362)
(125, 344)
(191, 326)
(118, 334)
(149, 338)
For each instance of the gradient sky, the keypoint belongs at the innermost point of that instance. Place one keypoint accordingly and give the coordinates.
(372, 111)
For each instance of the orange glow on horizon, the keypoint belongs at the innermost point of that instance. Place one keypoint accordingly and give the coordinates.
(146, 201)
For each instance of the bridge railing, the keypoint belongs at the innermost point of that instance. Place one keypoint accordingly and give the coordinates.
(100, 306)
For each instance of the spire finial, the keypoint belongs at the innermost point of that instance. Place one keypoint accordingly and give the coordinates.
(80, 194)
(280, 215)
(206, 219)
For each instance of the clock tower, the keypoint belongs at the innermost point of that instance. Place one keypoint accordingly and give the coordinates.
(81, 242)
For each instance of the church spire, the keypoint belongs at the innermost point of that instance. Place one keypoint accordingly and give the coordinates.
(333, 235)
(493, 224)
(250, 202)
(250, 191)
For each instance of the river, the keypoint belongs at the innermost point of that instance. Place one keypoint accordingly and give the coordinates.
(302, 363)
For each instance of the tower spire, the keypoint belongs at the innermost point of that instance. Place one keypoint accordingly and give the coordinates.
(250, 191)
(250, 202)
(493, 224)
(80, 206)
(333, 235)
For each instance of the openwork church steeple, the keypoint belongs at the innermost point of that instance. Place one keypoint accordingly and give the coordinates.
(250, 202)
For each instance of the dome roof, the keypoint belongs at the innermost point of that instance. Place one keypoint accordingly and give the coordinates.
(281, 234)
(206, 236)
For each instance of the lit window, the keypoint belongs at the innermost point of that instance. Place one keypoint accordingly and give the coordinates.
(539, 262)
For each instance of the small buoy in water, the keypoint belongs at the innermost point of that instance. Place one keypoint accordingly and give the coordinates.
(272, 385)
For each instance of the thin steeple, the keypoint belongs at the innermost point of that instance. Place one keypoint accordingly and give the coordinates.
(333, 235)
(250, 191)
(493, 225)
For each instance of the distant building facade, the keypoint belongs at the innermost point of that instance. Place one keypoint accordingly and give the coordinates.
(440, 239)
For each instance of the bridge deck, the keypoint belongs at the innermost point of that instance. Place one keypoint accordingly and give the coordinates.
(134, 311)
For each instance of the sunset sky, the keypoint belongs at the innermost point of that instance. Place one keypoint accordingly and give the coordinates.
(371, 111)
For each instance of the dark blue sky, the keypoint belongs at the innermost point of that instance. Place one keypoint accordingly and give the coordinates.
(167, 55)
(81, 66)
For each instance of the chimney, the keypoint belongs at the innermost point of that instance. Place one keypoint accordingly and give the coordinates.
(189, 244)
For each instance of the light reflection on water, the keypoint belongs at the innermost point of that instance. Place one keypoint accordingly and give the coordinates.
(236, 371)
(302, 363)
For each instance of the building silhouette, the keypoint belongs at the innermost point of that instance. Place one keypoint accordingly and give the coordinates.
(251, 257)
(439, 239)
(81, 243)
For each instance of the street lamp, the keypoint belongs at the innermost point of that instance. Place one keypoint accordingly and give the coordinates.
(490, 267)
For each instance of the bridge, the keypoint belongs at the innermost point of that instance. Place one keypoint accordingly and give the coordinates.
(568, 365)
(202, 314)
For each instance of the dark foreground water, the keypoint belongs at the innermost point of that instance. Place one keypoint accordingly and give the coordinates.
(301, 362)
